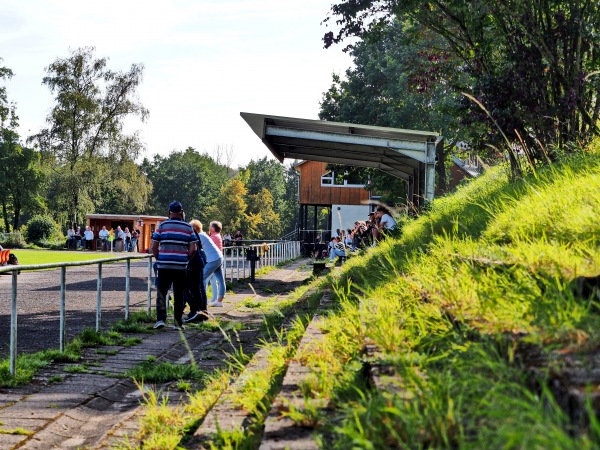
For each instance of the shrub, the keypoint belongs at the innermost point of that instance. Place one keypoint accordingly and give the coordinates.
(12, 240)
(40, 228)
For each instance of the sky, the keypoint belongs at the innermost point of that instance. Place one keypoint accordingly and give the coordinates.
(205, 62)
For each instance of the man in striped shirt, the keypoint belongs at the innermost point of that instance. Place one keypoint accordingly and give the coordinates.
(173, 243)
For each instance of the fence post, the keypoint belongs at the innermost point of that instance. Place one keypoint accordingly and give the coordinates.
(244, 263)
(149, 304)
(237, 264)
(127, 284)
(63, 287)
(231, 258)
(13, 325)
(99, 298)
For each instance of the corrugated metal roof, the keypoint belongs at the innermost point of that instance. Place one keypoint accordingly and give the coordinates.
(405, 154)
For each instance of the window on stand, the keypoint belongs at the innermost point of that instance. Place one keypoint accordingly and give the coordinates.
(341, 180)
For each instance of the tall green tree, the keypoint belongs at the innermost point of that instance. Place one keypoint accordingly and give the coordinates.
(290, 209)
(230, 206)
(8, 117)
(267, 174)
(128, 191)
(21, 180)
(534, 65)
(262, 222)
(398, 81)
(85, 125)
(282, 184)
(193, 178)
(20, 175)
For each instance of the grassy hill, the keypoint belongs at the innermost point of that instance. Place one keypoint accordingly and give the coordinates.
(484, 315)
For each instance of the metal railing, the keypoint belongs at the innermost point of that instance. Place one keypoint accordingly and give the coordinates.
(271, 254)
(235, 263)
(63, 281)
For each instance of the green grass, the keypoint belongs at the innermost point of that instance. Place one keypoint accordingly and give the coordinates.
(52, 256)
(28, 364)
(16, 431)
(453, 303)
(153, 372)
(165, 426)
(138, 322)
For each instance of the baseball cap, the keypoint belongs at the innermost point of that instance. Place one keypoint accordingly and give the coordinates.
(175, 207)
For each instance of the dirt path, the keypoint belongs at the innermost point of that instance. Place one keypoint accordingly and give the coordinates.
(96, 408)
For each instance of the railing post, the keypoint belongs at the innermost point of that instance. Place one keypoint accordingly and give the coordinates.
(63, 287)
(225, 263)
(127, 283)
(13, 325)
(149, 305)
(99, 298)
(245, 263)
(231, 258)
(237, 264)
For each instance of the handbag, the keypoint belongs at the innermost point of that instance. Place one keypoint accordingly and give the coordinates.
(197, 261)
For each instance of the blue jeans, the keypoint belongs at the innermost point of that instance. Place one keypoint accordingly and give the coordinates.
(215, 269)
(335, 252)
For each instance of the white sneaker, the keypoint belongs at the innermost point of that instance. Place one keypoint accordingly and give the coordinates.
(216, 304)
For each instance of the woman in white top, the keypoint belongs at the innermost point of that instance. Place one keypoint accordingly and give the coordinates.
(214, 260)
(386, 221)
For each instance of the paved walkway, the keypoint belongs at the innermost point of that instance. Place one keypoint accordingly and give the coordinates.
(96, 408)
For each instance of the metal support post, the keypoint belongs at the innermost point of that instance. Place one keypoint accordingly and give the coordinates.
(99, 298)
(127, 284)
(149, 304)
(13, 325)
(63, 287)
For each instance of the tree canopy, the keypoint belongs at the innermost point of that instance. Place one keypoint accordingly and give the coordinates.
(85, 125)
(532, 65)
(398, 81)
(193, 178)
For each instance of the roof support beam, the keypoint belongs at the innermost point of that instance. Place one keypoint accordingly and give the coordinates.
(394, 172)
(405, 154)
(413, 149)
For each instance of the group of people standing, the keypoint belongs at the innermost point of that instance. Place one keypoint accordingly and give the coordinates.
(116, 239)
(173, 243)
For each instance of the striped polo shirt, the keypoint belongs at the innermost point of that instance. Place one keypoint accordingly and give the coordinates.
(174, 237)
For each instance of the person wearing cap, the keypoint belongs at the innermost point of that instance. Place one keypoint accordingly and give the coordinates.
(173, 243)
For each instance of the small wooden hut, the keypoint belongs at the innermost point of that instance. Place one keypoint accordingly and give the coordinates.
(146, 225)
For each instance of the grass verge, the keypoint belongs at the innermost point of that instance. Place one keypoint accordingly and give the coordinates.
(164, 426)
(459, 309)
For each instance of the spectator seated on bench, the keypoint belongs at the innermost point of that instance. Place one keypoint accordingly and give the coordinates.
(338, 249)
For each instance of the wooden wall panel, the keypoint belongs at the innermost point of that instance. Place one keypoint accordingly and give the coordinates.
(312, 193)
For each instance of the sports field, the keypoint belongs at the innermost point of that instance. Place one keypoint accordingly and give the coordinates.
(54, 256)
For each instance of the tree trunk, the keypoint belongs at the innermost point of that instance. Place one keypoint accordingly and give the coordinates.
(440, 169)
(17, 215)
(5, 217)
